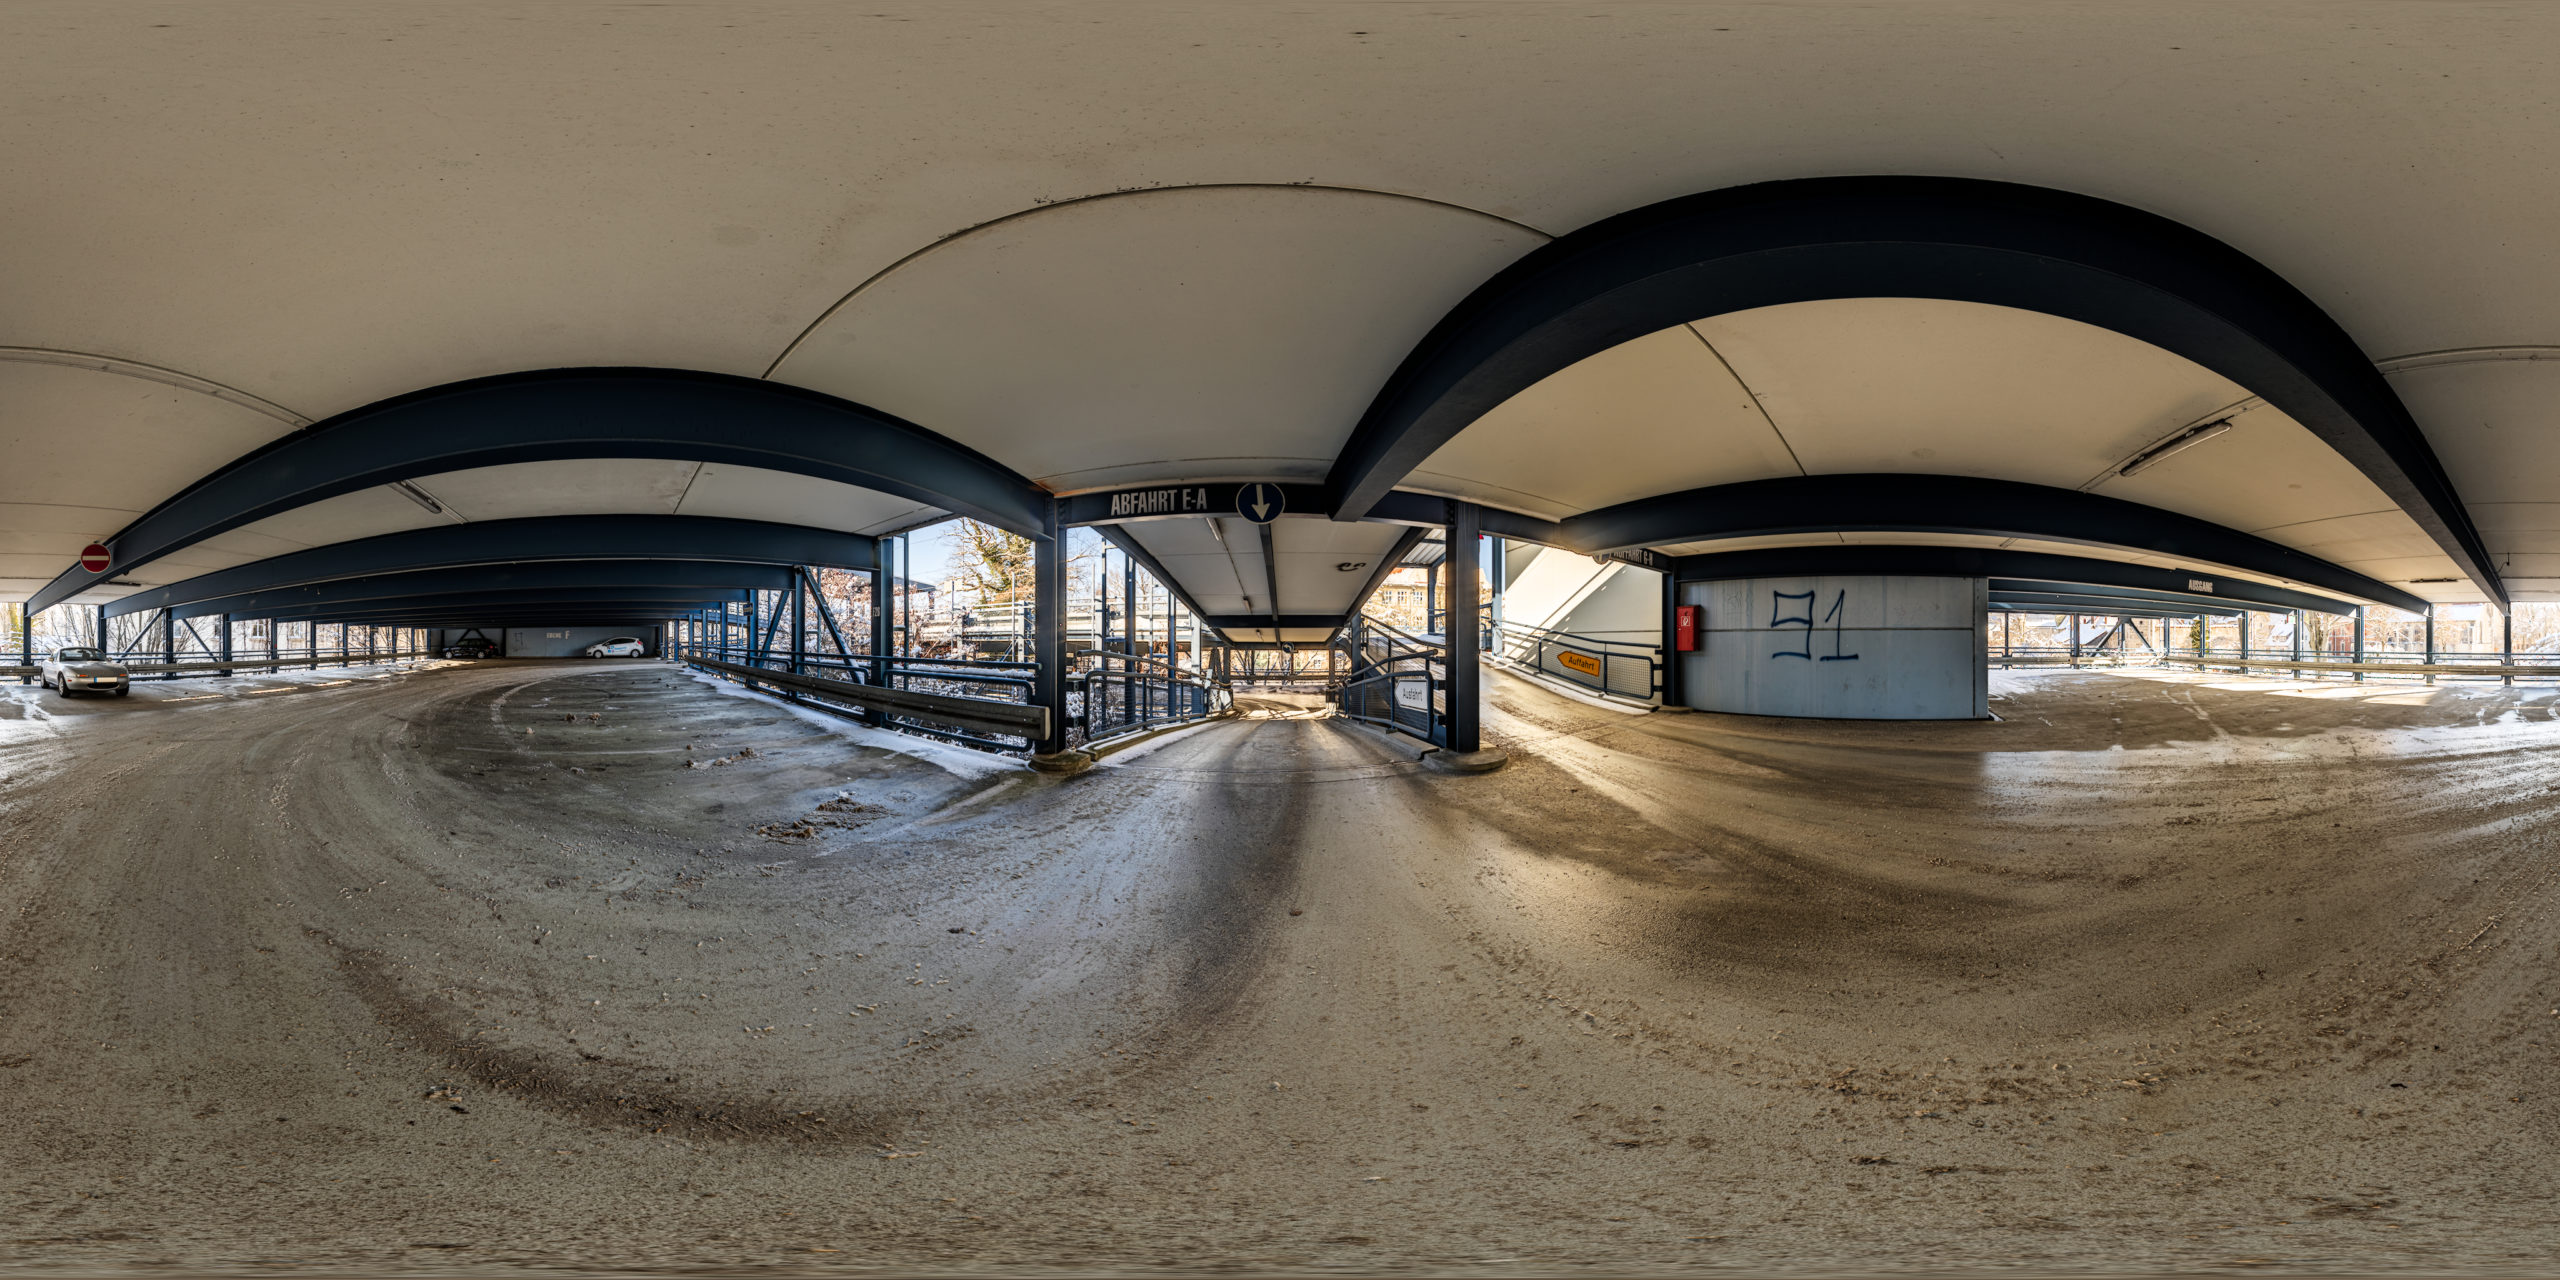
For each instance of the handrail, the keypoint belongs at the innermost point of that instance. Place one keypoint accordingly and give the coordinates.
(977, 715)
(2371, 668)
(29, 671)
(1532, 647)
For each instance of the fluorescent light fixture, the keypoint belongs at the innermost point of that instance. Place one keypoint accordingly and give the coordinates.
(420, 496)
(2186, 439)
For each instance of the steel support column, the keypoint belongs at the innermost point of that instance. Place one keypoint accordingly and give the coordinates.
(880, 624)
(2431, 639)
(2507, 641)
(1129, 641)
(1673, 695)
(1464, 674)
(799, 621)
(1049, 636)
(2359, 641)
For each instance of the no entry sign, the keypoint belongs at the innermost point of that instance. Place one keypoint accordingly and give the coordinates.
(94, 558)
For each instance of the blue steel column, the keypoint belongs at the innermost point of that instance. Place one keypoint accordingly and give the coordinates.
(1464, 675)
(880, 622)
(26, 645)
(1049, 634)
(1129, 639)
(168, 641)
(224, 621)
(1672, 694)
(2359, 642)
(2431, 641)
(2507, 642)
(799, 620)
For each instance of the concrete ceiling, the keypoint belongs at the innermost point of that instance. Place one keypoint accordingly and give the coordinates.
(1106, 243)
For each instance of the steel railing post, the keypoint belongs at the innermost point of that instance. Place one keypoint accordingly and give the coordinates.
(1049, 634)
(1463, 589)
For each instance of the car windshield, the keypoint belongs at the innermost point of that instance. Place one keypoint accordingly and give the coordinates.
(80, 655)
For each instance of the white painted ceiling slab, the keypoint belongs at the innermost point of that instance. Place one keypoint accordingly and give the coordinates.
(754, 493)
(1655, 415)
(422, 202)
(1180, 334)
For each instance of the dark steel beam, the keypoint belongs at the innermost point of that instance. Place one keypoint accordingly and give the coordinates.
(1894, 503)
(2115, 612)
(655, 576)
(2023, 587)
(579, 413)
(1265, 622)
(1964, 240)
(1992, 562)
(1270, 575)
(2051, 602)
(536, 538)
(487, 603)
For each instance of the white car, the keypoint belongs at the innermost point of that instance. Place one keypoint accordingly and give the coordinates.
(618, 647)
(84, 670)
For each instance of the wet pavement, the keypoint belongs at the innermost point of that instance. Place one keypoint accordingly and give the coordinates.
(492, 966)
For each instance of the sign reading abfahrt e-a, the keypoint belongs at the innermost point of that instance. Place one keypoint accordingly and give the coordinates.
(1179, 500)
(1258, 501)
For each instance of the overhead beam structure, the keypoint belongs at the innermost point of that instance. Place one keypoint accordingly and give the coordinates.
(537, 538)
(2033, 588)
(579, 413)
(642, 601)
(1896, 503)
(388, 590)
(1950, 239)
(2108, 606)
(1995, 562)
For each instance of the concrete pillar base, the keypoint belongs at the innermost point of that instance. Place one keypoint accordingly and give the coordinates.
(1062, 762)
(1485, 761)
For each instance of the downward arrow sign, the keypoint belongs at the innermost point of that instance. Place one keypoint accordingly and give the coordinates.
(1261, 510)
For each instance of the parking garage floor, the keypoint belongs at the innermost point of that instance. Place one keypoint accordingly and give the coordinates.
(498, 965)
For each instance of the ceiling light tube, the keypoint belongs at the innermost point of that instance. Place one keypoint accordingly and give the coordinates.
(2188, 438)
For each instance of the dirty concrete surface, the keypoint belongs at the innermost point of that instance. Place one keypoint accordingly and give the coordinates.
(498, 966)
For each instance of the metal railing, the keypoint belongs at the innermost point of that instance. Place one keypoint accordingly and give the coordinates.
(1618, 668)
(1111, 693)
(1397, 681)
(989, 723)
(27, 674)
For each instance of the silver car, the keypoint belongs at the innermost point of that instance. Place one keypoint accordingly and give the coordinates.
(618, 647)
(84, 670)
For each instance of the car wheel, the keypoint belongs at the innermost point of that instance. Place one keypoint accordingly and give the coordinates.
(123, 691)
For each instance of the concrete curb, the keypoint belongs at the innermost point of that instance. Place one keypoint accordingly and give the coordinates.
(1485, 761)
(1063, 763)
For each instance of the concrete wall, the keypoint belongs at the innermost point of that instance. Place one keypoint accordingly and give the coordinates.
(1562, 591)
(1846, 648)
(565, 642)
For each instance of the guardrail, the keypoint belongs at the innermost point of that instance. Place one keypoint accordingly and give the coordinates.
(1398, 681)
(1145, 692)
(2500, 669)
(28, 675)
(970, 716)
(1618, 668)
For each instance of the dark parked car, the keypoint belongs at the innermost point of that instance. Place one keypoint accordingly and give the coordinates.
(474, 647)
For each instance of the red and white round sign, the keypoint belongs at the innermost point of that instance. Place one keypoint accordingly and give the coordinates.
(94, 558)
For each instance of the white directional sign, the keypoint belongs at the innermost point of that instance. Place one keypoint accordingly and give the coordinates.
(1259, 503)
